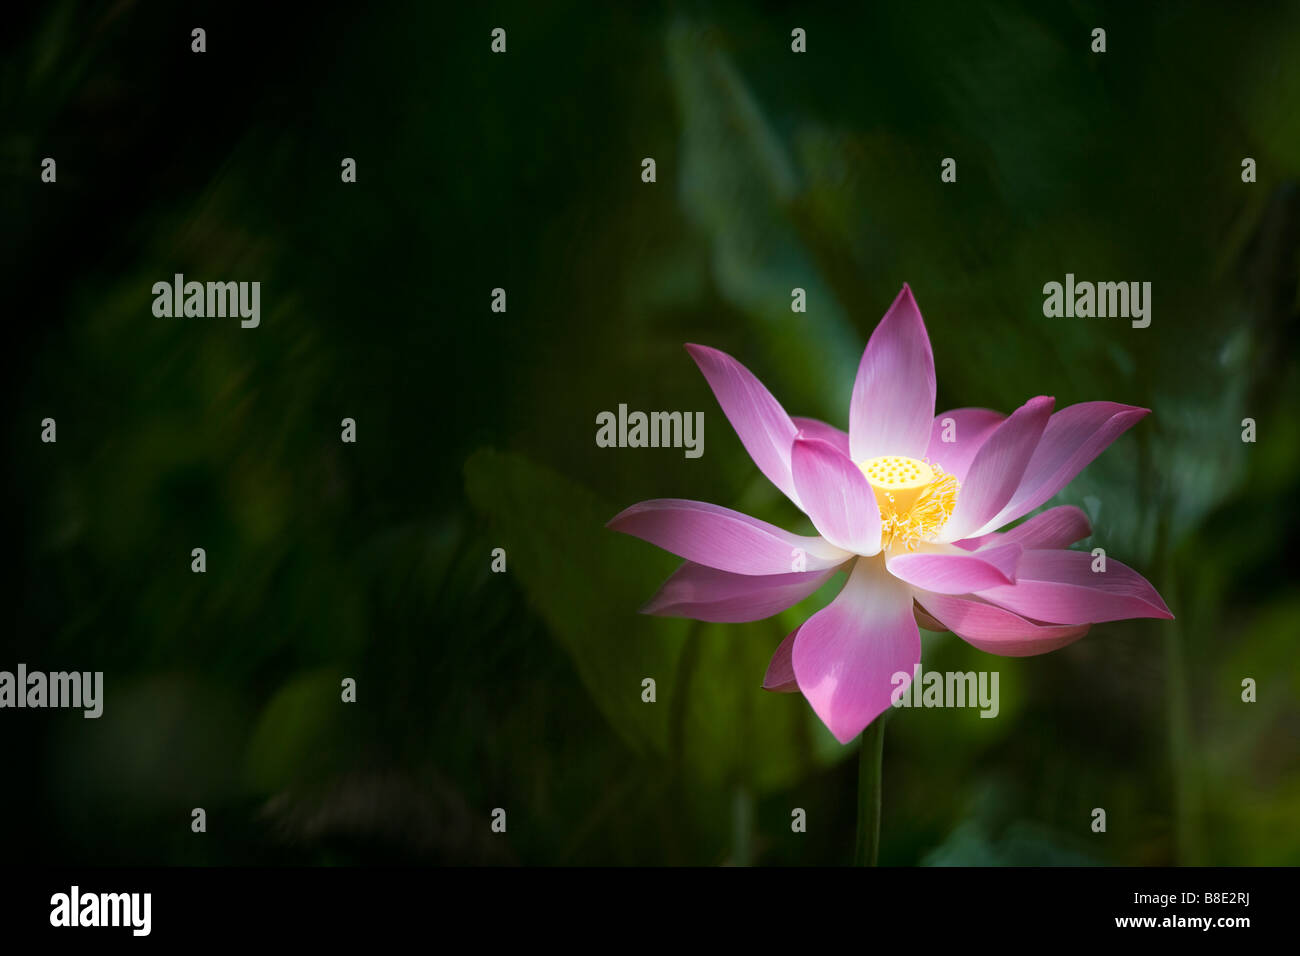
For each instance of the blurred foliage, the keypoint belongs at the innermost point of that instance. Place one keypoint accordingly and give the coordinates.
(710, 721)
(475, 430)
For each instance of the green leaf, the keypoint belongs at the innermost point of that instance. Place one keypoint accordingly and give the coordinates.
(302, 735)
(738, 185)
(587, 582)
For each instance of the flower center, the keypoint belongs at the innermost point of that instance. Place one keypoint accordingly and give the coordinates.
(915, 498)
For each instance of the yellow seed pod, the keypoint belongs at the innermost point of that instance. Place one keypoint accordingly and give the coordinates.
(897, 481)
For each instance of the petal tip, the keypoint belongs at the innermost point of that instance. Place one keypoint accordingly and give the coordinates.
(904, 306)
(846, 737)
(700, 353)
(618, 519)
(811, 443)
(1157, 603)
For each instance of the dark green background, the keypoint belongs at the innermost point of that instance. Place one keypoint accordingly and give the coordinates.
(476, 430)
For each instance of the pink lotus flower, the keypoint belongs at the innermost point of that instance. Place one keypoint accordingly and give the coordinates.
(908, 504)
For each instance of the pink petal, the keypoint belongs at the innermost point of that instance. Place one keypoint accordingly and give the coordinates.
(971, 427)
(724, 539)
(1060, 587)
(1073, 437)
(780, 672)
(996, 630)
(957, 573)
(846, 654)
(812, 428)
(995, 472)
(707, 594)
(924, 620)
(1057, 527)
(893, 395)
(836, 496)
(759, 420)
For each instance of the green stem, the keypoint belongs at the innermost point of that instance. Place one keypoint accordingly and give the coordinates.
(742, 825)
(1187, 802)
(870, 762)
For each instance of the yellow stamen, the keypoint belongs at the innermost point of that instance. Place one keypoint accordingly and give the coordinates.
(915, 498)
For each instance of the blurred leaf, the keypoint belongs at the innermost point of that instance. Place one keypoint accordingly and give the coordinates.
(587, 582)
(161, 742)
(1023, 844)
(737, 732)
(302, 734)
(737, 183)
(415, 821)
